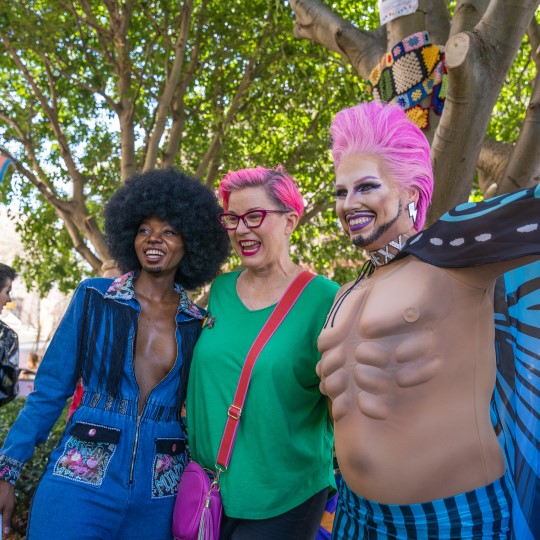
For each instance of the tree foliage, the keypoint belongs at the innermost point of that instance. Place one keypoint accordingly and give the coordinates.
(93, 90)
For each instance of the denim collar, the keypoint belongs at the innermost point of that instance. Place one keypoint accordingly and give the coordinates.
(122, 289)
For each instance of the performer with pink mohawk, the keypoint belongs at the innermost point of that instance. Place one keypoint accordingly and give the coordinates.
(408, 355)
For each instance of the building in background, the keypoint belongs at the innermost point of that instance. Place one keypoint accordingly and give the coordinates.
(33, 318)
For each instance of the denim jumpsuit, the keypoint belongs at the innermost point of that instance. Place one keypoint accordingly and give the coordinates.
(115, 473)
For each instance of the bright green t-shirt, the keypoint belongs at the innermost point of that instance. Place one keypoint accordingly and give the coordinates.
(283, 449)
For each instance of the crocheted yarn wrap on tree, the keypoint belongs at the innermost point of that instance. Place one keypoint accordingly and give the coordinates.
(412, 70)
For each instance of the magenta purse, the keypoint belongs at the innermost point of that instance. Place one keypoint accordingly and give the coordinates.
(198, 508)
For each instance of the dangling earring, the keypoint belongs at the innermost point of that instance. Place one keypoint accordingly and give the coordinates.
(413, 212)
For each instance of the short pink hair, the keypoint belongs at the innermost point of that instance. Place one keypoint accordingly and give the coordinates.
(281, 188)
(384, 132)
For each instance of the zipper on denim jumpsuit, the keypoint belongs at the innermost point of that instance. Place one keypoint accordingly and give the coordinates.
(135, 446)
(139, 416)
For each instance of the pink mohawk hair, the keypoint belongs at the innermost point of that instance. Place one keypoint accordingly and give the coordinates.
(383, 131)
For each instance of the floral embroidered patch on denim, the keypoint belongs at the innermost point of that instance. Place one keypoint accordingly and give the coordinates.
(85, 461)
(166, 475)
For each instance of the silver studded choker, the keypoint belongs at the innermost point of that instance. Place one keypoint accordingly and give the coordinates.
(383, 256)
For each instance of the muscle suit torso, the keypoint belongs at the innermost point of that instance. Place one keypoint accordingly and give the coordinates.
(409, 365)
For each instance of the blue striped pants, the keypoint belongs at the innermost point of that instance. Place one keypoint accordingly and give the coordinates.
(481, 513)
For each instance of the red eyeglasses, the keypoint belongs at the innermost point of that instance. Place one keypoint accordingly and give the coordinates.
(251, 220)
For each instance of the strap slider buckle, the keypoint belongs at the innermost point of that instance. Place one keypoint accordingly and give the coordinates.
(234, 412)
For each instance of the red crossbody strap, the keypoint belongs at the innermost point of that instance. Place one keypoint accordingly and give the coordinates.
(235, 410)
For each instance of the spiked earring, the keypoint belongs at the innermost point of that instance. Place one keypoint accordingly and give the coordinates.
(413, 211)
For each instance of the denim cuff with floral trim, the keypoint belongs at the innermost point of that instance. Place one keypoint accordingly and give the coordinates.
(10, 469)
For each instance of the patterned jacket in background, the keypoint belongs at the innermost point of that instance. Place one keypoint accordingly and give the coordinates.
(9, 364)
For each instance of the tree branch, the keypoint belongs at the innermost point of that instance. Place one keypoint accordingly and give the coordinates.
(78, 242)
(232, 110)
(437, 21)
(316, 209)
(467, 15)
(314, 21)
(523, 167)
(48, 194)
(103, 34)
(78, 180)
(494, 156)
(73, 214)
(51, 113)
(178, 113)
(170, 86)
(463, 123)
(30, 152)
(477, 64)
(533, 32)
(119, 23)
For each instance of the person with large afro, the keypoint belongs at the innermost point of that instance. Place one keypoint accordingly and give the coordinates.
(115, 471)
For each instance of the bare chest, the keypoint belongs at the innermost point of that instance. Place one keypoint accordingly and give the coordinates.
(384, 337)
(386, 307)
(156, 346)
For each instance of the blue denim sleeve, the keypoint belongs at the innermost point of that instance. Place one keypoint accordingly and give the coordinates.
(54, 384)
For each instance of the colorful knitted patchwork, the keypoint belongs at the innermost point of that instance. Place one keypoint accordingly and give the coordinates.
(412, 70)
(419, 116)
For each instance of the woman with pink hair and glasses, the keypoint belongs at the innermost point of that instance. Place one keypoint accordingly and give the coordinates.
(281, 469)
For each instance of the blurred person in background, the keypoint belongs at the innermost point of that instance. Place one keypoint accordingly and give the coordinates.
(9, 342)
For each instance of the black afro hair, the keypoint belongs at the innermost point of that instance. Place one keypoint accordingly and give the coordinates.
(179, 199)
